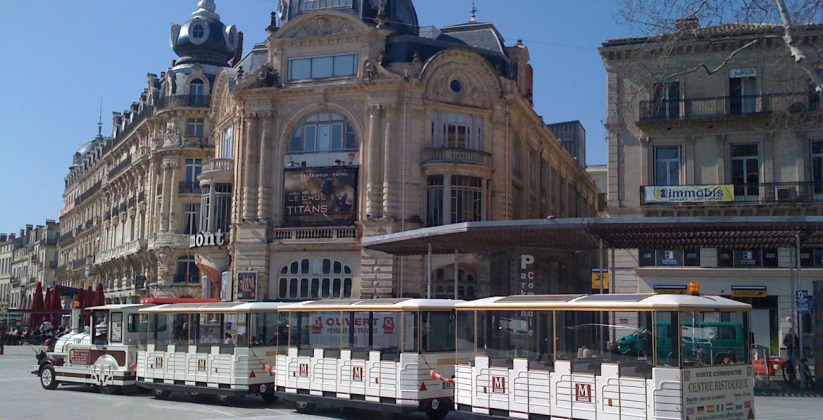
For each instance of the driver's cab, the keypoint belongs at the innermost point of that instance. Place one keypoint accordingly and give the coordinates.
(115, 325)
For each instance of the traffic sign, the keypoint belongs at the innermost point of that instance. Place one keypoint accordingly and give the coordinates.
(803, 301)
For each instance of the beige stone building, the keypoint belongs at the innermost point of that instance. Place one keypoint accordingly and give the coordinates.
(6, 257)
(351, 120)
(132, 200)
(744, 141)
(34, 260)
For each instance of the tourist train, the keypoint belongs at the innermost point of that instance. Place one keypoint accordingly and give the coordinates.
(615, 356)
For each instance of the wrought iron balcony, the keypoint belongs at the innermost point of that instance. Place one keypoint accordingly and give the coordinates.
(765, 193)
(189, 187)
(120, 167)
(456, 155)
(194, 101)
(727, 107)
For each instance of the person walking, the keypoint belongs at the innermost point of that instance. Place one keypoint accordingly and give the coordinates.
(4, 329)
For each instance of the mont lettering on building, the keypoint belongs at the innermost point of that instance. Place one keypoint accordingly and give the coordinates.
(348, 120)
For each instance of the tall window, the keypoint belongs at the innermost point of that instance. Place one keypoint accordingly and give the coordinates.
(194, 167)
(745, 170)
(742, 91)
(466, 199)
(191, 214)
(517, 157)
(434, 213)
(323, 133)
(227, 148)
(197, 88)
(667, 100)
(314, 278)
(222, 207)
(319, 68)
(195, 127)
(666, 166)
(205, 201)
(817, 167)
(451, 130)
(187, 271)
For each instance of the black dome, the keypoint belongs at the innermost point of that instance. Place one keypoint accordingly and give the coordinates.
(398, 15)
(204, 39)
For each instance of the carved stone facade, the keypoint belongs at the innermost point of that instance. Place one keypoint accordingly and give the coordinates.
(334, 129)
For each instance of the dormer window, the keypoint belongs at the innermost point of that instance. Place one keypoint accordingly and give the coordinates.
(197, 88)
(197, 32)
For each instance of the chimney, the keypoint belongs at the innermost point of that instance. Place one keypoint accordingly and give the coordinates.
(3, 237)
(691, 23)
(238, 54)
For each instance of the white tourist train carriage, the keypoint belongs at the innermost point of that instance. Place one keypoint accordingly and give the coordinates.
(105, 355)
(223, 349)
(605, 357)
(376, 354)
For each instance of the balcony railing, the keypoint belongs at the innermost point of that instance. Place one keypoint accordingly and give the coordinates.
(314, 233)
(765, 193)
(726, 107)
(120, 167)
(455, 155)
(189, 187)
(194, 101)
(88, 193)
(218, 165)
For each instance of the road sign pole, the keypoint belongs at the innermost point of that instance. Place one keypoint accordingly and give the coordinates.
(798, 315)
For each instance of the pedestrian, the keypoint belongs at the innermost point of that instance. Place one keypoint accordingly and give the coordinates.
(792, 343)
(4, 329)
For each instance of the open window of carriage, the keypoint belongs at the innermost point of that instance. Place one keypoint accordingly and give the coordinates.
(316, 330)
(182, 333)
(209, 332)
(503, 336)
(438, 331)
(580, 340)
(234, 332)
(100, 327)
(269, 329)
(709, 338)
(631, 343)
(137, 327)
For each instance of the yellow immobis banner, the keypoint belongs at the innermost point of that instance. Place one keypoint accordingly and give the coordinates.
(690, 194)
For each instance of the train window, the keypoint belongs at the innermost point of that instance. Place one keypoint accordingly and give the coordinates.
(209, 329)
(356, 330)
(142, 330)
(438, 331)
(116, 327)
(386, 334)
(665, 324)
(100, 327)
(318, 330)
(465, 332)
(161, 331)
(578, 340)
(631, 343)
(519, 335)
(410, 344)
(713, 338)
(180, 332)
(265, 329)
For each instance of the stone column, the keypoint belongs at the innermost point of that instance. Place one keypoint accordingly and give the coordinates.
(373, 165)
(264, 210)
(390, 169)
(164, 201)
(276, 174)
(249, 161)
(173, 191)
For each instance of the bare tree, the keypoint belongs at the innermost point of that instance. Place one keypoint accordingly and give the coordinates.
(667, 17)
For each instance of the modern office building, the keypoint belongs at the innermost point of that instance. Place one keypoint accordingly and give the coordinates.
(745, 140)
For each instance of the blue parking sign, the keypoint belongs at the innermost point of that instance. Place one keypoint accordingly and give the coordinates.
(803, 301)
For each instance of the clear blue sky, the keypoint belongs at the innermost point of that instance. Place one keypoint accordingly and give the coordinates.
(62, 57)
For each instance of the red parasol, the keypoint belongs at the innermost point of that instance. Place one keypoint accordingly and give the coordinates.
(47, 305)
(99, 297)
(36, 307)
(56, 307)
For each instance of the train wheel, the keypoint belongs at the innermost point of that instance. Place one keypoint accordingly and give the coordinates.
(160, 394)
(130, 390)
(269, 397)
(438, 414)
(225, 399)
(48, 379)
(108, 390)
(304, 407)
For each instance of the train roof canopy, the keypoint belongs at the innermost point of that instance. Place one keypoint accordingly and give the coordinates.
(220, 307)
(372, 305)
(607, 302)
(119, 307)
(620, 232)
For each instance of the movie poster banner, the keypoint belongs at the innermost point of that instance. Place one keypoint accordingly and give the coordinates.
(320, 196)
(247, 285)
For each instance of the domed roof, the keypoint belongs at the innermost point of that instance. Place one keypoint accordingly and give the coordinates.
(204, 39)
(86, 148)
(397, 15)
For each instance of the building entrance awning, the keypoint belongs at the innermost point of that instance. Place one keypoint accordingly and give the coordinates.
(616, 233)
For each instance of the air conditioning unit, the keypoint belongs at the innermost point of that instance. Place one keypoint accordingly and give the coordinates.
(786, 194)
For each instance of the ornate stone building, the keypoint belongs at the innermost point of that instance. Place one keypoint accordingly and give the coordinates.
(743, 141)
(33, 260)
(352, 120)
(132, 200)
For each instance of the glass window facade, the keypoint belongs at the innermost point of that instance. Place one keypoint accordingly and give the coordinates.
(316, 278)
(320, 68)
(324, 133)
(451, 130)
(667, 166)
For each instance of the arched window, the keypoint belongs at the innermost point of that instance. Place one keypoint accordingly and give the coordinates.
(198, 31)
(314, 278)
(443, 284)
(197, 88)
(324, 132)
(187, 271)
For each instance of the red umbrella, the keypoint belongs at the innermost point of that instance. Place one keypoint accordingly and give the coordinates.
(36, 307)
(47, 305)
(99, 297)
(56, 307)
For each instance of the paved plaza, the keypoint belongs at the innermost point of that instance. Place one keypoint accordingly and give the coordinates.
(23, 398)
